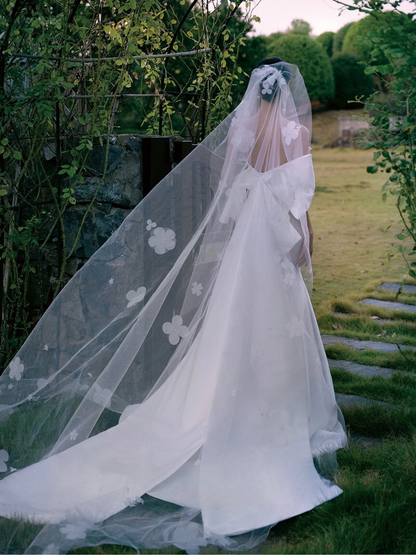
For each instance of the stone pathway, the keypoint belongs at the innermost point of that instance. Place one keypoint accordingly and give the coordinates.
(360, 345)
(368, 371)
(395, 287)
(390, 305)
(346, 401)
(365, 441)
(362, 369)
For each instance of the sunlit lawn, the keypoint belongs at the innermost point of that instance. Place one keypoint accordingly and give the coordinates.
(350, 221)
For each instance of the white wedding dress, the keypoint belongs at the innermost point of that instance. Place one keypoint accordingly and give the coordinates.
(233, 430)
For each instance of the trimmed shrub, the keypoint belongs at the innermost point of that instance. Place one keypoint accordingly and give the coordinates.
(359, 38)
(350, 80)
(340, 36)
(312, 60)
(327, 41)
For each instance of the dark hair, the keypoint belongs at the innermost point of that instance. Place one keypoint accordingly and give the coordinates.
(283, 67)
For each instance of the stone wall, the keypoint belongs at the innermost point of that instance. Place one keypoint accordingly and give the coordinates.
(349, 128)
(121, 190)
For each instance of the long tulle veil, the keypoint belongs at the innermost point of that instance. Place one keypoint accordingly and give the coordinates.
(121, 326)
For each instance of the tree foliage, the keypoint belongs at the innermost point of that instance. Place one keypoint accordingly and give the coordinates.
(392, 126)
(340, 36)
(351, 81)
(299, 27)
(64, 66)
(253, 51)
(312, 60)
(359, 41)
(327, 41)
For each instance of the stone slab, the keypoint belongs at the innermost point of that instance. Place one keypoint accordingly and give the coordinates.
(395, 287)
(365, 441)
(390, 305)
(346, 401)
(328, 340)
(361, 369)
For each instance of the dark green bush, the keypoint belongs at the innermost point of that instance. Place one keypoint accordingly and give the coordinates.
(312, 60)
(340, 36)
(327, 41)
(250, 54)
(350, 80)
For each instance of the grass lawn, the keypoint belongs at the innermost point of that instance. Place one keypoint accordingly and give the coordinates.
(375, 514)
(350, 221)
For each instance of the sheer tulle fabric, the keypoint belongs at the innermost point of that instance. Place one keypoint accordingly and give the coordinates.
(177, 392)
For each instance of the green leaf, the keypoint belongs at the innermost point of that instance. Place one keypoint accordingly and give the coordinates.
(17, 155)
(372, 169)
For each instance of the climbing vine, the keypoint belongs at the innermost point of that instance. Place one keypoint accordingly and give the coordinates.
(66, 69)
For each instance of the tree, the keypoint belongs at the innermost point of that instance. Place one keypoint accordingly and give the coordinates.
(312, 60)
(351, 81)
(327, 41)
(391, 37)
(299, 27)
(340, 36)
(56, 108)
(359, 39)
(253, 51)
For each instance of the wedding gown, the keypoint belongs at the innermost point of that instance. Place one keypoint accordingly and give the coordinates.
(230, 433)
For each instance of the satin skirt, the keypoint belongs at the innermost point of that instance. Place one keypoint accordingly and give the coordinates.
(234, 430)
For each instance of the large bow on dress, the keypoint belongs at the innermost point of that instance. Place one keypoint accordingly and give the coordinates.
(286, 188)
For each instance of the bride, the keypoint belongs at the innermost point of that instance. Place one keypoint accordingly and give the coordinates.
(177, 391)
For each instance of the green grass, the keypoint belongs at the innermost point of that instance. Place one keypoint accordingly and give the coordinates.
(375, 514)
(396, 331)
(351, 239)
(399, 390)
(396, 361)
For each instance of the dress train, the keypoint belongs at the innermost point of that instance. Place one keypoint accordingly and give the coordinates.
(234, 429)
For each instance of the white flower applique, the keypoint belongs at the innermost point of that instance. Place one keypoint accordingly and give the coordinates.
(73, 435)
(45, 348)
(4, 457)
(243, 139)
(74, 531)
(268, 84)
(196, 288)
(135, 297)
(132, 501)
(150, 225)
(41, 383)
(162, 240)
(296, 327)
(102, 396)
(51, 549)
(290, 132)
(111, 281)
(16, 369)
(175, 330)
(290, 273)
